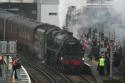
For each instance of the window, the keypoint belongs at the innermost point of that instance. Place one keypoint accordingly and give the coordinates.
(52, 13)
(11, 28)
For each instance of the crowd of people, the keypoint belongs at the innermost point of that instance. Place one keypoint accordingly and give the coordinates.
(97, 46)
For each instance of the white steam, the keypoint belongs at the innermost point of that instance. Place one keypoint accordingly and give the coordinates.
(109, 19)
(63, 7)
(119, 6)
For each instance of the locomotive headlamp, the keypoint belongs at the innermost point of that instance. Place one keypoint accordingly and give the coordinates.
(83, 58)
(61, 58)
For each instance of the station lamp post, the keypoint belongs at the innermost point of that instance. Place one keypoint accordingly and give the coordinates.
(111, 56)
(111, 62)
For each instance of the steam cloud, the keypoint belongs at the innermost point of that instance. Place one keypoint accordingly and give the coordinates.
(104, 18)
(64, 4)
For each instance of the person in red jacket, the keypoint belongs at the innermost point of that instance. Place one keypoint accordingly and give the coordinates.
(1, 63)
(14, 67)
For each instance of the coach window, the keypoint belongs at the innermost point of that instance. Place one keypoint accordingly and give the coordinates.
(14, 29)
(27, 34)
(30, 35)
(11, 28)
(19, 29)
(21, 32)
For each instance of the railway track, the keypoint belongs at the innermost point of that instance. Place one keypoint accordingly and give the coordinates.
(82, 78)
(43, 73)
(38, 75)
(88, 78)
(43, 70)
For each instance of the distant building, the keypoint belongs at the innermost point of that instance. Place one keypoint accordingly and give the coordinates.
(47, 11)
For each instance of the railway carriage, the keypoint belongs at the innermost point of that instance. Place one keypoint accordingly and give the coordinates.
(44, 41)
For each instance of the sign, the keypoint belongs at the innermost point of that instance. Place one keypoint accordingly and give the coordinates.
(8, 47)
(12, 47)
(3, 47)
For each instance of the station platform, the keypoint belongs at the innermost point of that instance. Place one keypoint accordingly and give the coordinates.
(25, 78)
(100, 79)
(93, 66)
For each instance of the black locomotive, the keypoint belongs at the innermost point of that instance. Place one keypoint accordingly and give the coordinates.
(44, 41)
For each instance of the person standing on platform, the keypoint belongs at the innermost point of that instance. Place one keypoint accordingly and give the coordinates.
(14, 68)
(1, 63)
(101, 65)
(107, 63)
(18, 67)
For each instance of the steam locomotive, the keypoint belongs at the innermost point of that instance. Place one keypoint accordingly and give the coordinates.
(44, 41)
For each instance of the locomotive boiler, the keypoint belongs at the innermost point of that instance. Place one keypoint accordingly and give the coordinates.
(47, 42)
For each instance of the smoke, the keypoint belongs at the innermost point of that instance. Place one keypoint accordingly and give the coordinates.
(110, 19)
(63, 8)
(119, 6)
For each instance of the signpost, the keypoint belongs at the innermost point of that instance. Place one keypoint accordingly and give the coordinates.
(8, 47)
(3, 45)
(110, 63)
(12, 47)
(111, 59)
